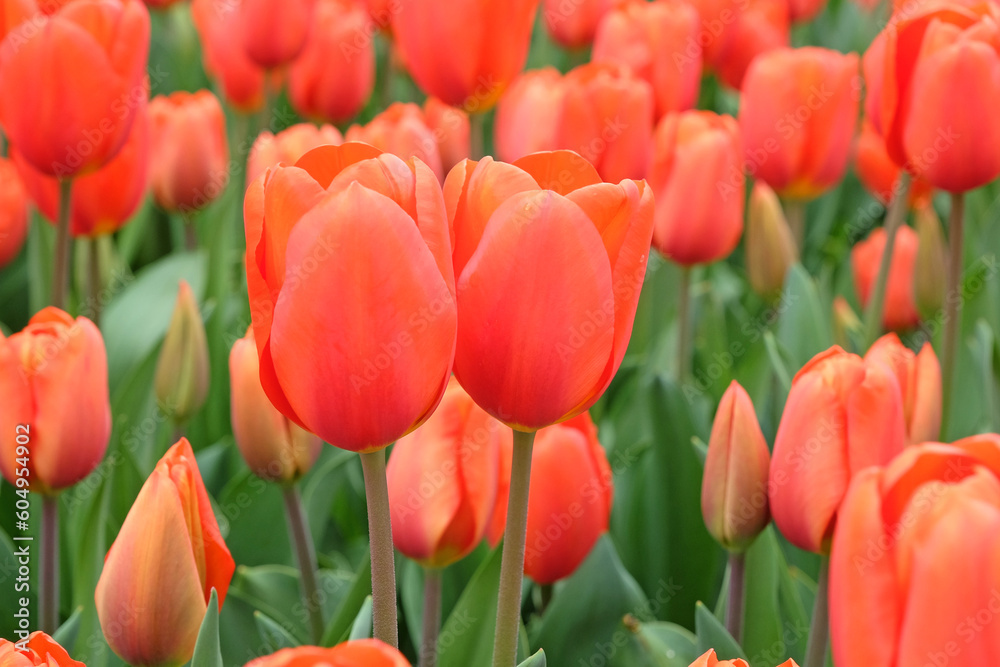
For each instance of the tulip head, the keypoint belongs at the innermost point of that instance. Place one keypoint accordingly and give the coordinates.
(403, 131)
(355, 653)
(273, 33)
(288, 146)
(919, 377)
(751, 28)
(39, 650)
(451, 130)
(182, 370)
(931, 265)
(159, 574)
(573, 25)
(900, 309)
(240, 79)
(709, 659)
(13, 212)
(770, 246)
(528, 116)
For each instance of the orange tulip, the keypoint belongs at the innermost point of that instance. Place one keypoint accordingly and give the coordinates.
(70, 84)
(372, 363)
(54, 382)
(464, 52)
(402, 131)
(569, 503)
(356, 653)
(919, 377)
(451, 131)
(241, 80)
(333, 77)
(900, 310)
(190, 165)
(288, 146)
(38, 650)
(913, 572)
(659, 41)
(273, 33)
(103, 200)
(13, 212)
(549, 262)
(842, 415)
(528, 117)
(709, 659)
(753, 28)
(160, 571)
(798, 113)
(573, 25)
(880, 175)
(697, 178)
(443, 481)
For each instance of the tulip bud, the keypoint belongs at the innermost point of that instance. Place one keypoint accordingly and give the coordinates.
(275, 448)
(240, 79)
(182, 371)
(159, 574)
(451, 131)
(573, 25)
(734, 488)
(13, 212)
(402, 131)
(847, 326)
(929, 273)
(355, 653)
(749, 28)
(900, 309)
(770, 247)
(527, 118)
(39, 650)
(273, 33)
(919, 377)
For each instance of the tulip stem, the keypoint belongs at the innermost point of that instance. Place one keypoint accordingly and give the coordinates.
(305, 553)
(953, 304)
(795, 213)
(60, 270)
(876, 299)
(383, 558)
(94, 275)
(432, 617)
(737, 587)
(512, 560)
(48, 583)
(684, 325)
(477, 127)
(819, 629)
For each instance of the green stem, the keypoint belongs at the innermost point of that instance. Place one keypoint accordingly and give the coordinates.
(383, 558)
(545, 595)
(876, 299)
(477, 127)
(819, 629)
(60, 270)
(512, 560)
(684, 325)
(48, 582)
(305, 553)
(270, 98)
(737, 587)
(952, 303)
(190, 233)
(795, 213)
(432, 617)
(94, 281)
(388, 76)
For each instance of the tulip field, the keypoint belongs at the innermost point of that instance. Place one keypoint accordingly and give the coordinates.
(523, 333)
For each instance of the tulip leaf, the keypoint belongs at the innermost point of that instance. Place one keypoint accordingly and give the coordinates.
(207, 651)
(712, 635)
(343, 618)
(537, 660)
(66, 634)
(272, 633)
(362, 626)
(804, 326)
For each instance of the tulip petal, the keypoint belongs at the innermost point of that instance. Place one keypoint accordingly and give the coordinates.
(325, 162)
(560, 171)
(876, 430)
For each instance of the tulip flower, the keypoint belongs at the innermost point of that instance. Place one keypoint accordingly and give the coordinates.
(573, 25)
(288, 146)
(333, 77)
(54, 378)
(880, 175)
(919, 377)
(402, 131)
(753, 28)
(240, 79)
(355, 653)
(381, 13)
(931, 265)
(451, 130)
(273, 33)
(803, 11)
(798, 113)
(770, 246)
(528, 116)
(654, 39)
(13, 212)
(709, 659)
(190, 165)
(842, 415)
(913, 577)
(181, 380)
(37, 650)
(492, 37)
(900, 310)
(160, 571)
(70, 86)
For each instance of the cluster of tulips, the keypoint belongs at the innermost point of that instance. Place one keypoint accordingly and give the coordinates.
(406, 290)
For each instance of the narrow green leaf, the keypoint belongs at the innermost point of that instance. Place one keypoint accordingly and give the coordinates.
(537, 660)
(341, 621)
(712, 635)
(67, 632)
(362, 626)
(207, 652)
(272, 633)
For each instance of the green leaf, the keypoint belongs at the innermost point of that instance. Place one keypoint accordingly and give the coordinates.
(68, 631)
(341, 621)
(712, 635)
(669, 645)
(362, 626)
(537, 660)
(272, 633)
(207, 652)
(804, 326)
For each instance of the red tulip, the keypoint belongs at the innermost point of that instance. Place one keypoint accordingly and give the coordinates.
(159, 574)
(443, 481)
(550, 262)
(797, 115)
(842, 415)
(13, 212)
(70, 84)
(241, 80)
(402, 131)
(659, 41)
(697, 178)
(190, 164)
(371, 229)
(569, 503)
(333, 77)
(803, 11)
(573, 24)
(54, 389)
(464, 52)
(919, 377)
(528, 117)
(36, 650)
(288, 146)
(913, 572)
(273, 33)
(451, 131)
(356, 653)
(880, 175)
(900, 310)
(754, 28)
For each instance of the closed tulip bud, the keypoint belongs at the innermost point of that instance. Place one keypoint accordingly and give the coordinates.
(931, 516)
(333, 77)
(355, 653)
(880, 175)
(402, 131)
(759, 27)
(847, 326)
(68, 86)
(569, 503)
(240, 79)
(528, 116)
(842, 415)
(573, 25)
(273, 33)
(54, 389)
(371, 229)
(798, 112)
(443, 481)
(655, 39)
(929, 274)
(190, 165)
(734, 488)
(770, 247)
(451, 131)
(709, 659)
(900, 310)
(493, 37)
(546, 234)
(697, 177)
(182, 370)
(274, 448)
(919, 377)
(287, 146)
(13, 212)
(159, 574)
(39, 650)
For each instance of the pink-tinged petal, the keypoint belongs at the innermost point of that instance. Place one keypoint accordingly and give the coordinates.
(915, 467)
(925, 416)
(325, 162)
(985, 448)
(876, 430)
(560, 171)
